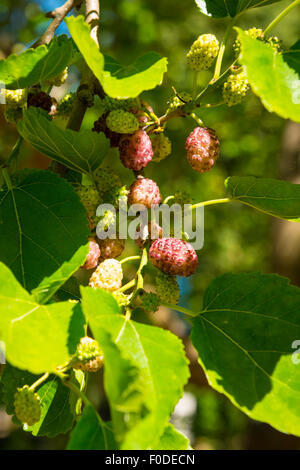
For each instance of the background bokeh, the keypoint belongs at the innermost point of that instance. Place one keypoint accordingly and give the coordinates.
(253, 142)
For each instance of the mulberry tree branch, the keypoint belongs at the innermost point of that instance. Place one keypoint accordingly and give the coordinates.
(92, 15)
(58, 16)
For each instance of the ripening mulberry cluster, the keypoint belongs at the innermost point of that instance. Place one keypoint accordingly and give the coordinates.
(27, 406)
(144, 191)
(136, 150)
(203, 149)
(150, 301)
(173, 256)
(122, 122)
(167, 288)
(93, 255)
(235, 89)
(88, 356)
(180, 99)
(65, 106)
(203, 52)
(111, 248)
(108, 276)
(162, 147)
(15, 101)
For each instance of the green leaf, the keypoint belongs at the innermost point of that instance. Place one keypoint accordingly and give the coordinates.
(91, 433)
(46, 235)
(157, 355)
(171, 439)
(244, 338)
(292, 57)
(69, 290)
(223, 8)
(274, 197)
(57, 401)
(117, 81)
(81, 151)
(35, 65)
(38, 338)
(271, 79)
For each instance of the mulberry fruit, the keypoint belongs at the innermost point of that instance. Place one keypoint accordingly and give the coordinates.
(162, 147)
(27, 406)
(150, 301)
(100, 126)
(235, 88)
(173, 256)
(88, 356)
(144, 191)
(93, 255)
(108, 276)
(167, 288)
(136, 150)
(112, 104)
(122, 122)
(65, 106)
(85, 95)
(89, 197)
(180, 99)
(203, 149)
(39, 99)
(203, 52)
(14, 97)
(111, 248)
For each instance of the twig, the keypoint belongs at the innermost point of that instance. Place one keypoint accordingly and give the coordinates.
(58, 16)
(92, 16)
(92, 12)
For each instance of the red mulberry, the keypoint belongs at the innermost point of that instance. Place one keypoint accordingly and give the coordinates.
(173, 256)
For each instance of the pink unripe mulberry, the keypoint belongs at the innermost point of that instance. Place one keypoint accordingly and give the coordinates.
(93, 255)
(144, 191)
(136, 150)
(203, 149)
(173, 256)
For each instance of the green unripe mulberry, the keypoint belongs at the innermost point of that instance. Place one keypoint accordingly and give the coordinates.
(89, 197)
(88, 356)
(179, 100)
(235, 88)
(16, 98)
(162, 147)
(203, 52)
(65, 106)
(150, 301)
(27, 406)
(167, 288)
(122, 122)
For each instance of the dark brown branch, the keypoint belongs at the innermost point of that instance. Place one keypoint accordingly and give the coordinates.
(58, 16)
